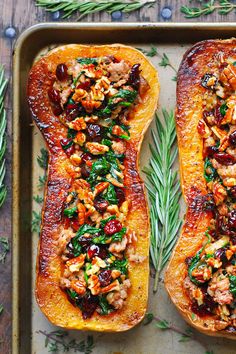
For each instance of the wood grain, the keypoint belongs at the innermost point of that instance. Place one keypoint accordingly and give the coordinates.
(20, 15)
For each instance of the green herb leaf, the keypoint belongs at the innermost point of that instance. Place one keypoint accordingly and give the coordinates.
(222, 6)
(208, 167)
(162, 324)
(148, 318)
(4, 248)
(121, 265)
(43, 159)
(70, 212)
(105, 221)
(38, 199)
(36, 222)
(164, 193)
(87, 7)
(42, 180)
(232, 287)
(117, 237)
(223, 109)
(152, 52)
(104, 306)
(110, 195)
(87, 61)
(1, 309)
(164, 61)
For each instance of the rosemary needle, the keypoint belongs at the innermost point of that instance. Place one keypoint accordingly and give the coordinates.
(164, 193)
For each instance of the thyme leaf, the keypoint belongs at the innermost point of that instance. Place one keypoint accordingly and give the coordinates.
(164, 193)
(4, 248)
(222, 6)
(3, 125)
(88, 7)
(36, 221)
(57, 340)
(43, 159)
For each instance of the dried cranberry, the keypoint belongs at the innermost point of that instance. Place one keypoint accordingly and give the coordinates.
(233, 192)
(95, 250)
(85, 171)
(84, 85)
(112, 227)
(56, 108)
(232, 219)
(230, 329)
(101, 205)
(232, 138)
(221, 254)
(211, 150)
(134, 76)
(85, 241)
(105, 277)
(233, 240)
(61, 72)
(207, 307)
(70, 151)
(120, 195)
(54, 95)
(224, 158)
(218, 116)
(94, 132)
(86, 157)
(70, 250)
(75, 224)
(188, 261)
(73, 111)
(88, 304)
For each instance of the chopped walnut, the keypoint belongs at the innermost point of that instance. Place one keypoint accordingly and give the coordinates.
(96, 148)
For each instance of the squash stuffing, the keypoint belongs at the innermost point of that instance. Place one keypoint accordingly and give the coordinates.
(93, 105)
(201, 276)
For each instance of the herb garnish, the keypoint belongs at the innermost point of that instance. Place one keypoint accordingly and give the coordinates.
(165, 60)
(4, 248)
(3, 125)
(185, 335)
(222, 6)
(164, 193)
(88, 7)
(36, 216)
(57, 340)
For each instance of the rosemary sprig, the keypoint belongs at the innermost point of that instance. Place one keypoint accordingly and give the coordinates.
(222, 6)
(88, 7)
(57, 340)
(164, 193)
(4, 248)
(3, 125)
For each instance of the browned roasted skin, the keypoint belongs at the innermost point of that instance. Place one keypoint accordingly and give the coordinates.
(196, 62)
(51, 298)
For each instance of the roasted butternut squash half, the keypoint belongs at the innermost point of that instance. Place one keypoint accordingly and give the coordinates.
(93, 105)
(201, 275)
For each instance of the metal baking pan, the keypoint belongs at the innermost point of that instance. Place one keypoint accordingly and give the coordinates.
(172, 39)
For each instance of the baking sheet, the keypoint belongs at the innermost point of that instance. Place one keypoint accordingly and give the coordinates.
(28, 319)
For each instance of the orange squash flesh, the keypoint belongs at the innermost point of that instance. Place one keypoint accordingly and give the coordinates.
(51, 299)
(196, 62)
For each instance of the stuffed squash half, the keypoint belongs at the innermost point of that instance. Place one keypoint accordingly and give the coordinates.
(93, 105)
(201, 276)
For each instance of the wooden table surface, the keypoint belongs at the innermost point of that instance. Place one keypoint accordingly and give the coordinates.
(17, 15)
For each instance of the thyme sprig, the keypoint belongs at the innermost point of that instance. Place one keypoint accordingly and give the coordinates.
(165, 60)
(36, 216)
(88, 7)
(164, 193)
(222, 6)
(4, 248)
(185, 335)
(3, 143)
(57, 340)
